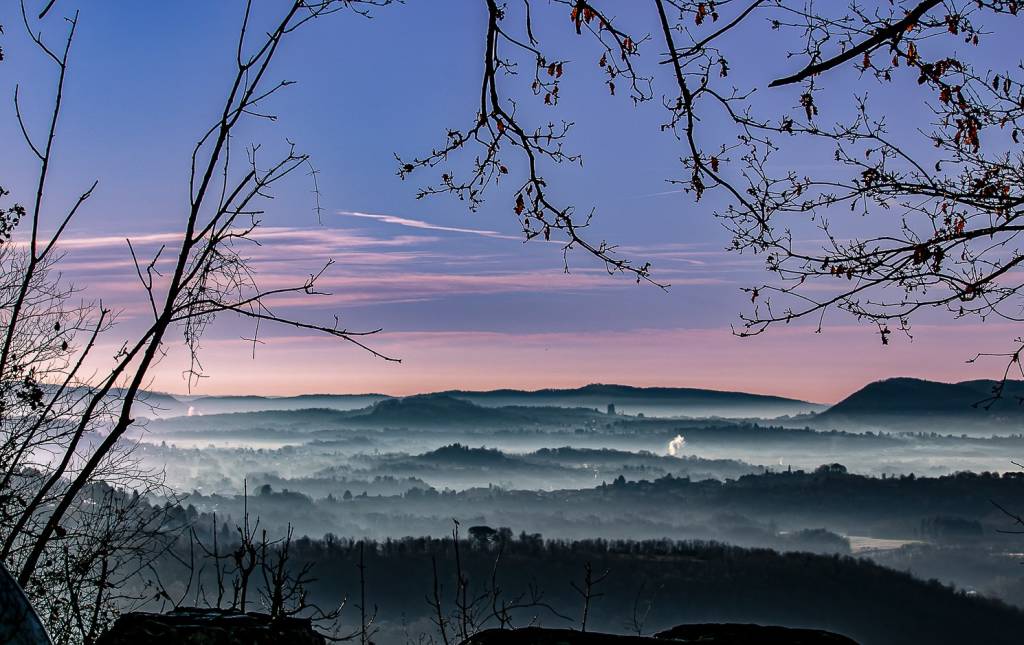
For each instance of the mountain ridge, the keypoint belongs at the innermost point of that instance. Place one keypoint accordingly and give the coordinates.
(901, 401)
(655, 401)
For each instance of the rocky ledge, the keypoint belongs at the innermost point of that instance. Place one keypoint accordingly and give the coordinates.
(190, 626)
(703, 633)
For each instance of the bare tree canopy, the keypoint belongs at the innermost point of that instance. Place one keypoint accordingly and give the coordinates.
(803, 168)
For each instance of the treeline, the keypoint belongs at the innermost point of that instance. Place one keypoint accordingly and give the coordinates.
(639, 586)
(830, 491)
(768, 510)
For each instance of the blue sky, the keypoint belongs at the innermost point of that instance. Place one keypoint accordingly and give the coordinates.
(461, 299)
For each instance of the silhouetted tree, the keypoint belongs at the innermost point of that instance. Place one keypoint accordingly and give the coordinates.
(62, 425)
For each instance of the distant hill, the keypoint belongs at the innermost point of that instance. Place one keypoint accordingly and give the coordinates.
(444, 410)
(265, 424)
(428, 411)
(250, 403)
(147, 403)
(460, 454)
(921, 405)
(651, 401)
(1013, 391)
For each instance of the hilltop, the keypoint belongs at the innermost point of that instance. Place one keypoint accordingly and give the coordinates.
(651, 401)
(918, 404)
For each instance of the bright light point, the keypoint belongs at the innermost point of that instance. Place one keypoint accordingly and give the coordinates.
(675, 447)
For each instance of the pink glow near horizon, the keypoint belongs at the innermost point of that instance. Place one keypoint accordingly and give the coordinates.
(794, 362)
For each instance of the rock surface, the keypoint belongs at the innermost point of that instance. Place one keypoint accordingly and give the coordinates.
(737, 634)
(19, 624)
(190, 626)
(221, 627)
(705, 634)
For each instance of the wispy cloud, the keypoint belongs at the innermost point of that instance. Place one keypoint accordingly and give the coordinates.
(355, 288)
(112, 241)
(324, 238)
(339, 238)
(371, 267)
(420, 224)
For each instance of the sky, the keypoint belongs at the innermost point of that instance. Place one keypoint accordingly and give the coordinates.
(459, 297)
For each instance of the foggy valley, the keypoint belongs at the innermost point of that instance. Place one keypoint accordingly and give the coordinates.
(578, 465)
(511, 322)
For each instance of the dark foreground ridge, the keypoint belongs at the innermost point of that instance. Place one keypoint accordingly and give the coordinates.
(740, 634)
(704, 633)
(222, 627)
(19, 624)
(196, 626)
